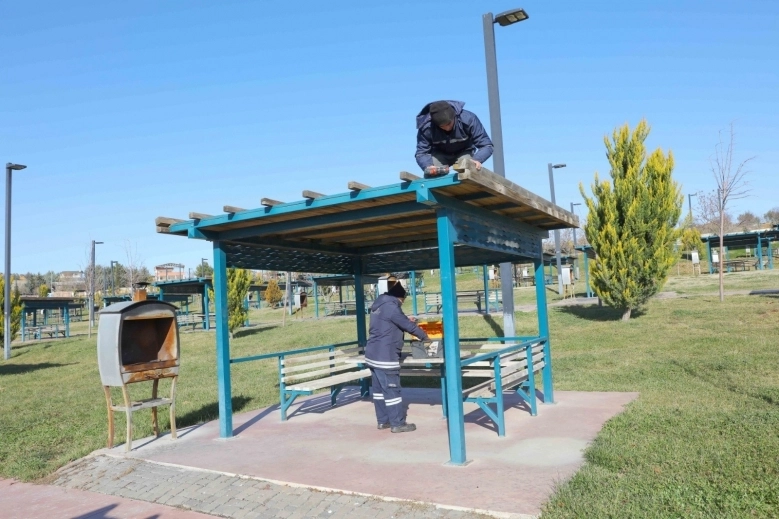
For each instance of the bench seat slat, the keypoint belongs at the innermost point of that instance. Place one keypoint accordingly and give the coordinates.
(300, 359)
(309, 374)
(330, 381)
(336, 361)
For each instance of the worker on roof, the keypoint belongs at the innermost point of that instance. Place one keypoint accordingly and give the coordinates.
(447, 133)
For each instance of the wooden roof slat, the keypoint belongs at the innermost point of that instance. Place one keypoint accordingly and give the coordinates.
(269, 202)
(231, 209)
(164, 221)
(311, 195)
(356, 186)
(199, 216)
(408, 177)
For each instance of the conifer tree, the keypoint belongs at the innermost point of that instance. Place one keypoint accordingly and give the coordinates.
(632, 221)
(238, 281)
(16, 310)
(273, 293)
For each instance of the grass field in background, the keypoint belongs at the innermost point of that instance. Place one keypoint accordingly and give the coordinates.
(701, 440)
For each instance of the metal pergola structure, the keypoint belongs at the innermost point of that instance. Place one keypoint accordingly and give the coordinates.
(759, 239)
(47, 304)
(589, 254)
(471, 218)
(172, 291)
(340, 281)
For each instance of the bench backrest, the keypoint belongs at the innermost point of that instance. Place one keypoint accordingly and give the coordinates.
(299, 367)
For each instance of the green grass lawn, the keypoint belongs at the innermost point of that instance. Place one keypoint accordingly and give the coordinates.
(701, 440)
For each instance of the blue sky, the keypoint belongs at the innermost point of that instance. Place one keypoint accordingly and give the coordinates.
(125, 111)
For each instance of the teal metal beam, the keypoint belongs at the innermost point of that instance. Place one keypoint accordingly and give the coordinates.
(222, 343)
(454, 389)
(413, 277)
(325, 201)
(316, 301)
(759, 253)
(543, 329)
(711, 258)
(359, 304)
(486, 279)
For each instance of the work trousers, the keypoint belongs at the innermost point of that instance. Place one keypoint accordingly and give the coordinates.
(385, 386)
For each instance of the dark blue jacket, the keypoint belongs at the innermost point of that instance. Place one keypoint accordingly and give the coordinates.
(467, 136)
(385, 339)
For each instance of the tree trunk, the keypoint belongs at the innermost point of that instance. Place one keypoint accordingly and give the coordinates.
(626, 315)
(721, 254)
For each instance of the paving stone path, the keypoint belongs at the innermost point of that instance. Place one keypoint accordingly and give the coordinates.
(232, 496)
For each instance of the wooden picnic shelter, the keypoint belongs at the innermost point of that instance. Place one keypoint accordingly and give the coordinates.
(760, 240)
(470, 218)
(32, 304)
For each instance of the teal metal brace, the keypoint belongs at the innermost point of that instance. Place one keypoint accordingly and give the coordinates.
(543, 330)
(770, 255)
(24, 324)
(66, 318)
(222, 343)
(485, 278)
(759, 253)
(413, 277)
(711, 258)
(206, 304)
(316, 301)
(246, 307)
(454, 390)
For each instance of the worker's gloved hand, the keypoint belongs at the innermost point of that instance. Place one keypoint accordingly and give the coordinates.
(436, 171)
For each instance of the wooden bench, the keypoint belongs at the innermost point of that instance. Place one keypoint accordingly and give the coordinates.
(517, 372)
(51, 331)
(433, 300)
(306, 372)
(193, 320)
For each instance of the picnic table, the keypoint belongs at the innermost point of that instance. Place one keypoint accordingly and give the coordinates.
(734, 265)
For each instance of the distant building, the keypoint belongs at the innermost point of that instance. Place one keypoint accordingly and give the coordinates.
(169, 272)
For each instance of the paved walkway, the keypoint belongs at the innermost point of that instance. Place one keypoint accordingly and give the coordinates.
(221, 495)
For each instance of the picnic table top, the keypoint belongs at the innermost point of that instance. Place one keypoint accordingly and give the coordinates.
(408, 360)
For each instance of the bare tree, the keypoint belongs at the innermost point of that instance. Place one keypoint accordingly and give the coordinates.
(134, 267)
(772, 216)
(708, 218)
(731, 185)
(748, 221)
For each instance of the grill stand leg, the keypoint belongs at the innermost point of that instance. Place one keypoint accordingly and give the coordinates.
(107, 391)
(173, 409)
(155, 426)
(129, 412)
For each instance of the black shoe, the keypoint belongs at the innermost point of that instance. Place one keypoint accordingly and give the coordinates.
(383, 426)
(406, 427)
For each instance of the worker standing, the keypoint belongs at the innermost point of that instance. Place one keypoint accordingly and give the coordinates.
(447, 133)
(382, 355)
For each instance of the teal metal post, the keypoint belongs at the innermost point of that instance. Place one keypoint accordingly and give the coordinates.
(711, 259)
(222, 343)
(161, 298)
(66, 317)
(359, 304)
(246, 307)
(413, 277)
(770, 255)
(759, 253)
(454, 389)
(486, 279)
(587, 274)
(543, 330)
(316, 302)
(46, 316)
(206, 304)
(24, 323)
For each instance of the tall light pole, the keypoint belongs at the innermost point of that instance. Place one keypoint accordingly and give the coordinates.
(551, 168)
(113, 277)
(9, 167)
(92, 288)
(503, 19)
(574, 229)
(689, 204)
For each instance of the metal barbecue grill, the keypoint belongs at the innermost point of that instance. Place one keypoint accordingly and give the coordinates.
(138, 341)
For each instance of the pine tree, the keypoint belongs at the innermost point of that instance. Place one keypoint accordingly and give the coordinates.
(632, 222)
(16, 310)
(273, 293)
(238, 281)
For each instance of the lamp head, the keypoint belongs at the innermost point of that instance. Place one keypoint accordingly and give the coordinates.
(557, 166)
(15, 167)
(510, 17)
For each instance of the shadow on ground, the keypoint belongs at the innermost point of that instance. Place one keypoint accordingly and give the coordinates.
(597, 313)
(18, 369)
(210, 412)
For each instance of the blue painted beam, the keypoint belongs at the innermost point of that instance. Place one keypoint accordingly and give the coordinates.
(309, 246)
(413, 277)
(304, 205)
(359, 304)
(222, 343)
(543, 329)
(454, 389)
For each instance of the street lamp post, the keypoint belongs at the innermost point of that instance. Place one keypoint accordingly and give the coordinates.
(9, 167)
(113, 277)
(503, 19)
(92, 288)
(689, 203)
(574, 229)
(551, 168)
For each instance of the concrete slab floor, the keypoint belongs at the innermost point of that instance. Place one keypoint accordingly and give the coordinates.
(341, 449)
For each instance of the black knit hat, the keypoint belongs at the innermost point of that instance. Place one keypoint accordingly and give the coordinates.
(441, 113)
(397, 290)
